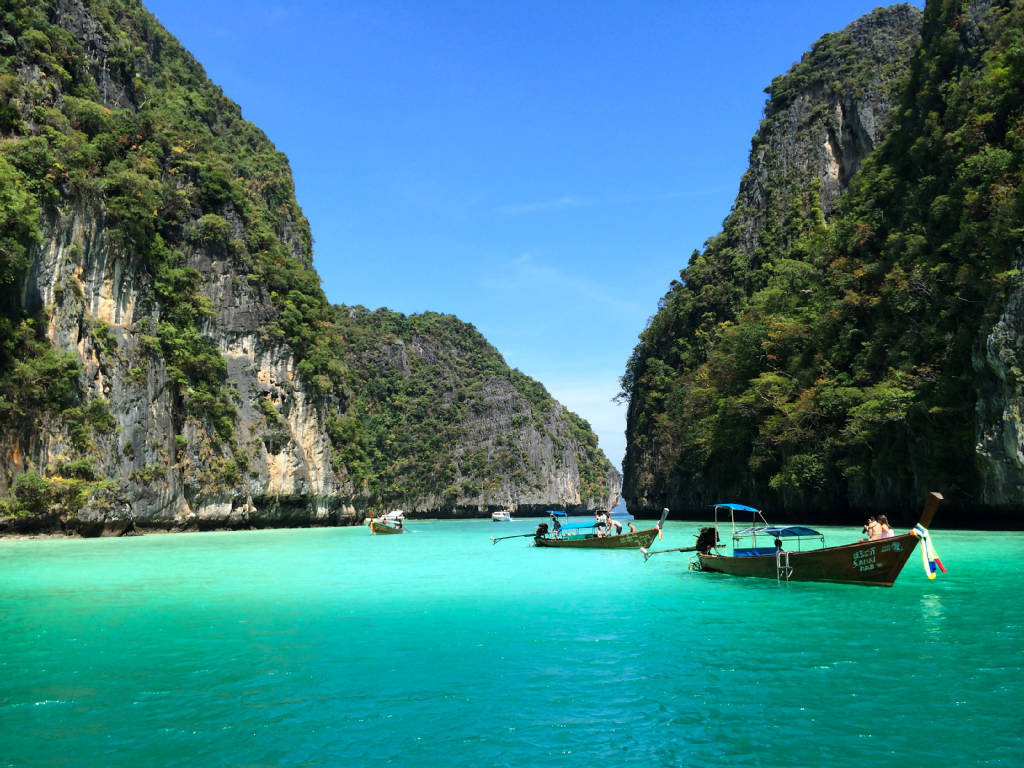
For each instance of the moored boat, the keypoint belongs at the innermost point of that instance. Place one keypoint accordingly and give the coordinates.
(598, 535)
(392, 522)
(874, 562)
(501, 515)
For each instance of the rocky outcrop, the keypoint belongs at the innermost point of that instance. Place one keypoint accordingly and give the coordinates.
(851, 340)
(98, 303)
(825, 116)
(170, 258)
(822, 120)
(1000, 405)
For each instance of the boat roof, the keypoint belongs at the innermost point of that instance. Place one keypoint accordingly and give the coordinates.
(781, 531)
(737, 507)
(556, 512)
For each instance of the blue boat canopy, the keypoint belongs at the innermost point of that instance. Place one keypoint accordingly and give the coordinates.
(556, 512)
(782, 531)
(738, 507)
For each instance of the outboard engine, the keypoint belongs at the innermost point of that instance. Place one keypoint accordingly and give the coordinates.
(542, 530)
(706, 539)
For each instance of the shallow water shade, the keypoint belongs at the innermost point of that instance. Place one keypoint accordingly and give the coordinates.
(331, 646)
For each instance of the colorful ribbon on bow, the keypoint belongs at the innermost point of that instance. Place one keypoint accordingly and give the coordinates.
(929, 557)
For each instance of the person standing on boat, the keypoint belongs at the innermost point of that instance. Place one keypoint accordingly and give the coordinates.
(556, 527)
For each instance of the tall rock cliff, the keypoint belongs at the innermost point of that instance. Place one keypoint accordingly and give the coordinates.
(455, 428)
(851, 340)
(167, 357)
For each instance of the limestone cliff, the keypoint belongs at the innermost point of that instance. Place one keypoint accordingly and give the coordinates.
(851, 340)
(167, 357)
(822, 119)
(437, 400)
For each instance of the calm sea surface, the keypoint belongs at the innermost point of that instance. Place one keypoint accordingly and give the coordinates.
(333, 647)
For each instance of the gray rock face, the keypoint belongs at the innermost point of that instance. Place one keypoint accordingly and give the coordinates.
(826, 115)
(1000, 408)
(162, 459)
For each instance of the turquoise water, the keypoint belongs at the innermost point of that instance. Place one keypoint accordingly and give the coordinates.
(333, 647)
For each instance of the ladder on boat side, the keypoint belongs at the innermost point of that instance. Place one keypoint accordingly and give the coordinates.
(782, 567)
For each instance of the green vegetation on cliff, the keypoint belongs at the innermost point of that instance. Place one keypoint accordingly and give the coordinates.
(437, 413)
(106, 119)
(833, 365)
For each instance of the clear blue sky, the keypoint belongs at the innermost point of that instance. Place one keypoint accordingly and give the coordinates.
(541, 169)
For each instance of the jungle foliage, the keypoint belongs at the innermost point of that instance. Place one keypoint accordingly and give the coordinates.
(427, 413)
(833, 364)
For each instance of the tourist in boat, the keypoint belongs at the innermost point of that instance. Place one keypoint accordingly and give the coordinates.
(885, 529)
(872, 529)
(778, 545)
(556, 527)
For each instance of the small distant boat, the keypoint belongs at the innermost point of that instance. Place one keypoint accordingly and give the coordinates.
(392, 522)
(501, 516)
(875, 562)
(593, 535)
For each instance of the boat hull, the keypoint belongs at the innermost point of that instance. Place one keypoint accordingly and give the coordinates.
(376, 527)
(871, 563)
(631, 540)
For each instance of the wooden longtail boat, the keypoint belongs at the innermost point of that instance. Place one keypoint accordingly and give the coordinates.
(378, 527)
(872, 563)
(392, 522)
(586, 537)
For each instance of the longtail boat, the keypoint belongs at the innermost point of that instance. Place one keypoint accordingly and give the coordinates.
(595, 536)
(875, 562)
(392, 522)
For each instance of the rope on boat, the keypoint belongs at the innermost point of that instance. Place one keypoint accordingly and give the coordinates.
(929, 557)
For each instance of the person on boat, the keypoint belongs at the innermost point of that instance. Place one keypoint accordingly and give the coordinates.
(872, 529)
(618, 526)
(556, 527)
(778, 545)
(886, 530)
(632, 528)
